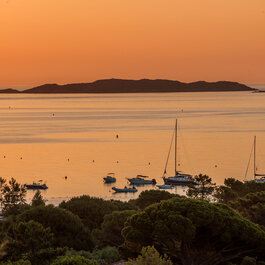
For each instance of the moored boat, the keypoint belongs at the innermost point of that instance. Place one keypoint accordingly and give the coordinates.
(125, 189)
(164, 187)
(110, 178)
(140, 180)
(36, 186)
(258, 178)
(179, 178)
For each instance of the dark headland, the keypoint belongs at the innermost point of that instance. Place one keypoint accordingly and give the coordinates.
(134, 86)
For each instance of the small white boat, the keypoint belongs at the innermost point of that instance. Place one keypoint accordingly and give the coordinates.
(140, 180)
(110, 178)
(125, 189)
(164, 187)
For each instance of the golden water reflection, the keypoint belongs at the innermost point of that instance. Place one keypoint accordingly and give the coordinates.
(49, 137)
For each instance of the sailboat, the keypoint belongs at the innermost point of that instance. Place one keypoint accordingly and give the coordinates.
(179, 178)
(258, 178)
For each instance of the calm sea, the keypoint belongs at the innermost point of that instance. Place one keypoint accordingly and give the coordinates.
(48, 137)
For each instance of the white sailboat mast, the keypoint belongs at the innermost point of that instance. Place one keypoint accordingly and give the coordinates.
(176, 145)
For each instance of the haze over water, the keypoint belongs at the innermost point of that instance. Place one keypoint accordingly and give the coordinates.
(39, 133)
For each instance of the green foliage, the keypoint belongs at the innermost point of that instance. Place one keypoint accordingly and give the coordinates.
(149, 197)
(12, 196)
(248, 261)
(225, 194)
(92, 210)
(67, 228)
(192, 232)
(37, 199)
(104, 256)
(110, 232)
(252, 206)
(204, 188)
(149, 255)
(234, 189)
(19, 262)
(75, 260)
(107, 255)
(26, 238)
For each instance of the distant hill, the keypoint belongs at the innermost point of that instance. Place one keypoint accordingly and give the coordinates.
(137, 86)
(9, 91)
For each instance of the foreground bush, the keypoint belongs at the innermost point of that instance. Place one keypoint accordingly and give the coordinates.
(67, 228)
(19, 262)
(92, 210)
(110, 232)
(149, 197)
(192, 231)
(75, 260)
(26, 238)
(149, 255)
(104, 256)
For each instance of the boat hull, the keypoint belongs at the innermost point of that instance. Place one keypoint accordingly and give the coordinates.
(164, 187)
(36, 187)
(178, 181)
(138, 181)
(131, 190)
(109, 180)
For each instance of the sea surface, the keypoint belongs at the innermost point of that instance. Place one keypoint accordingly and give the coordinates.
(85, 136)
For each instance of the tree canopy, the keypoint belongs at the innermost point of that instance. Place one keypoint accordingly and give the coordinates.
(92, 210)
(252, 206)
(26, 238)
(110, 232)
(12, 196)
(67, 228)
(203, 189)
(193, 232)
(149, 255)
(149, 197)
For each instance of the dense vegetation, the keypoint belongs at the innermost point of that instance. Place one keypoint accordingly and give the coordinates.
(211, 225)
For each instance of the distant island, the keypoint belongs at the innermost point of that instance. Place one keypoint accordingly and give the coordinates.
(134, 86)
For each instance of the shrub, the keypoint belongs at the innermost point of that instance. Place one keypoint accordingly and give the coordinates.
(67, 228)
(92, 210)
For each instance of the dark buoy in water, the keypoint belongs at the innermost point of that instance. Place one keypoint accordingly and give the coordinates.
(21, 158)
(53, 114)
(117, 136)
(68, 159)
(93, 161)
(117, 161)
(4, 156)
(215, 166)
(65, 177)
(149, 163)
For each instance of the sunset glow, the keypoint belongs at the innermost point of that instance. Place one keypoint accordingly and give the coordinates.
(66, 41)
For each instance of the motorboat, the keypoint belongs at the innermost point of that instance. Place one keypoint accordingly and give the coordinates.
(141, 180)
(110, 178)
(36, 186)
(179, 178)
(125, 189)
(164, 187)
(257, 177)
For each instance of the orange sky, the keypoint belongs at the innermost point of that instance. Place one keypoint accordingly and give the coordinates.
(66, 41)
